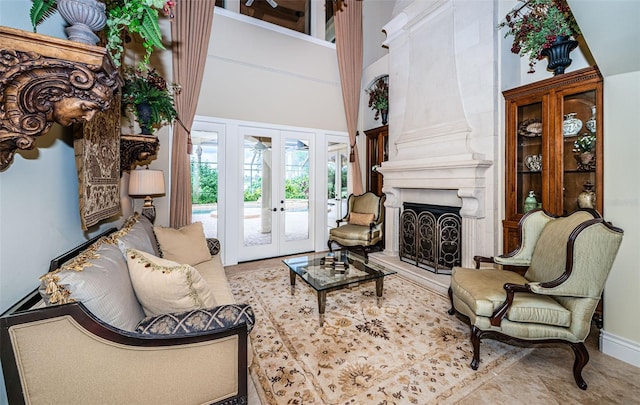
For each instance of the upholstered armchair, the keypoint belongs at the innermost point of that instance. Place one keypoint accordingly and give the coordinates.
(363, 224)
(567, 261)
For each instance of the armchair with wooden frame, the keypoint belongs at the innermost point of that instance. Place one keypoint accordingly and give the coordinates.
(364, 226)
(567, 261)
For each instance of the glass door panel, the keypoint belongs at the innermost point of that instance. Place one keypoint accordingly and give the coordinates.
(579, 149)
(337, 161)
(257, 191)
(205, 175)
(296, 190)
(529, 157)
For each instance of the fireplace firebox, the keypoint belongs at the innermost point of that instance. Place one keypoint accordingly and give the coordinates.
(430, 236)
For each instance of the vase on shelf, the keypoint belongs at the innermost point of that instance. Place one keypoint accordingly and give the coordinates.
(144, 118)
(571, 125)
(85, 17)
(530, 203)
(384, 114)
(591, 122)
(586, 161)
(587, 198)
(558, 54)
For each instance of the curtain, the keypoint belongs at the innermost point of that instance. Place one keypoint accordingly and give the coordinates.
(348, 25)
(190, 32)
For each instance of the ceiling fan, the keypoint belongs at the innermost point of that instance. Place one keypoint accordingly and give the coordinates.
(272, 3)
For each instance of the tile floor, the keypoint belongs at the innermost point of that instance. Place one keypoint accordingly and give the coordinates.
(543, 377)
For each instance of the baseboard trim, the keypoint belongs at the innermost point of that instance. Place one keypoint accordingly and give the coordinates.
(620, 348)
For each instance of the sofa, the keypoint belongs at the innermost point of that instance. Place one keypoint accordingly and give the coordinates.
(138, 315)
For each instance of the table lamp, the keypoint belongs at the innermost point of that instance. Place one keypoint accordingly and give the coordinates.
(147, 183)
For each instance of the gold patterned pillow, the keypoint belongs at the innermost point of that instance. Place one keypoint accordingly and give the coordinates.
(185, 245)
(356, 218)
(164, 286)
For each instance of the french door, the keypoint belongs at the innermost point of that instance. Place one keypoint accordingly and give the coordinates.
(337, 181)
(276, 173)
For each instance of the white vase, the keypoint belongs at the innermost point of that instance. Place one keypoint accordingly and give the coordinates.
(571, 125)
(85, 17)
(591, 122)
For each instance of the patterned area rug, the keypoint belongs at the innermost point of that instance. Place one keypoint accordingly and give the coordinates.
(409, 351)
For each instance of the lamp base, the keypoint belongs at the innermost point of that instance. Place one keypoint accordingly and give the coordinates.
(149, 212)
(148, 201)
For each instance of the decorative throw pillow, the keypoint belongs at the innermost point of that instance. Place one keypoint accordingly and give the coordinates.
(98, 278)
(163, 286)
(198, 320)
(185, 245)
(356, 218)
(134, 234)
(214, 246)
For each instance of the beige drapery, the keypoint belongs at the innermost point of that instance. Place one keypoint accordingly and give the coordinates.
(190, 32)
(348, 25)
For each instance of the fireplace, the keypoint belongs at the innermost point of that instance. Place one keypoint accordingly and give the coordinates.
(430, 236)
(443, 137)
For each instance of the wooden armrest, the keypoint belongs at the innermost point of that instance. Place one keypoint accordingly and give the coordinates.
(482, 259)
(511, 289)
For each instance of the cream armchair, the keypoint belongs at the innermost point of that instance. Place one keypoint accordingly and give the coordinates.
(364, 226)
(567, 261)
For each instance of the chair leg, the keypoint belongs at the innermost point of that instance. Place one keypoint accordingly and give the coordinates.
(452, 310)
(475, 342)
(582, 358)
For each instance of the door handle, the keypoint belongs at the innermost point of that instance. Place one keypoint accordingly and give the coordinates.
(281, 209)
(275, 209)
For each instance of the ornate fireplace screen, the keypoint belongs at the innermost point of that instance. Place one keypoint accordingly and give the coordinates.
(430, 237)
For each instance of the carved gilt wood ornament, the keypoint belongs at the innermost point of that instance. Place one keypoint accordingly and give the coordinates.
(137, 150)
(45, 80)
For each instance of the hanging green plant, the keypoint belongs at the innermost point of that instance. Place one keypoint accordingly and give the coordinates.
(123, 17)
(147, 86)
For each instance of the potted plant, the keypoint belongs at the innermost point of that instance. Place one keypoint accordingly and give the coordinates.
(536, 25)
(122, 16)
(147, 95)
(584, 147)
(379, 98)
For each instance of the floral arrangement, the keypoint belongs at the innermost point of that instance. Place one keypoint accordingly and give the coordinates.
(535, 25)
(147, 86)
(379, 96)
(130, 16)
(584, 144)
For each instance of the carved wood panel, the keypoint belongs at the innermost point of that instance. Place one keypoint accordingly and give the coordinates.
(45, 80)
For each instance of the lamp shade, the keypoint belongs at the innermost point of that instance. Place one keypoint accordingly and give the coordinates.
(146, 182)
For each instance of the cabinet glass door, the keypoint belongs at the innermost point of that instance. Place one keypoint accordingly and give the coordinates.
(530, 159)
(580, 138)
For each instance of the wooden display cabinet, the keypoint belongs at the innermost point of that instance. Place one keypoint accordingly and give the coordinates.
(377, 152)
(535, 117)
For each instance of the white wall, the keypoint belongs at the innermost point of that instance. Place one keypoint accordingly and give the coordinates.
(270, 75)
(621, 206)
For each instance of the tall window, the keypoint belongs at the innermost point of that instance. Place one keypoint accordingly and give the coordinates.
(292, 14)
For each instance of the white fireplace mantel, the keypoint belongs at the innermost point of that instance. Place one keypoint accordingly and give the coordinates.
(464, 174)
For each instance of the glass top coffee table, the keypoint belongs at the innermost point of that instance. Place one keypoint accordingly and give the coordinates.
(316, 270)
